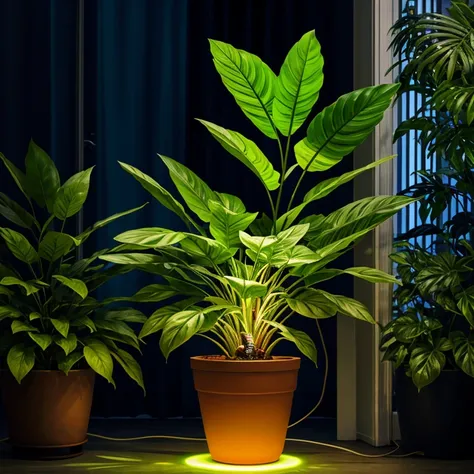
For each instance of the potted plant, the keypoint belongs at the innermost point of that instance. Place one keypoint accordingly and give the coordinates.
(430, 341)
(55, 336)
(240, 276)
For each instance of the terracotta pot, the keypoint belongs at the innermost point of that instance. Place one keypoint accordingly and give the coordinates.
(245, 406)
(48, 409)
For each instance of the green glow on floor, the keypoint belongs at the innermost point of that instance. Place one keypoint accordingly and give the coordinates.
(204, 461)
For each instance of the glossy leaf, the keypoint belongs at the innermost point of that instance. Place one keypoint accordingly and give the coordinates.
(298, 84)
(312, 304)
(15, 213)
(28, 287)
(55, 245)
(22, 326)
(72, 195)
(98, 357)
(193, 189)
(8, 311)
(65, 363)
(372, 274)
(74, 284)
(150, 237)
(68, 344)
(128, 315)
(18, 176)
(43, 340)
(130, 365)
(61, 325)
(343, 126)
(209, 252)
(464, 353)
(42, 177)
(117, 327)
(20, 360)
(247, 152)
(249, 80)
(132, 258)
(247, 288)
(426, 364)
(19, 245)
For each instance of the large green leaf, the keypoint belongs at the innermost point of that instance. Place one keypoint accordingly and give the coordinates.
(19, 246)
(130, 365)
(78, 286)
(225, 224)
(66, 362)
(42, 177)
(9, 312)
(312, 304)
(20, 360)
(466, 305)
(193, 189)
(17, 175)
(68, 344)
(15, 213)
(132, 258)
(99, 359)
(61, 325)
(22, 326)
(43, 340)
(102, 223)
(247, 288)
(426, 364)
(159, 318)
(28, 287)
(148, 294)
(249, 80)
(247, 152)
(341, 127)
(157, 191)
(128, 315)
(55, 245)
(372, 274)
(464, 353)
(118, 327)
(150, 237)
(72, 195)
(406, 328)
(185, 324)
(298, 84)
(303, 342)
(208, 252)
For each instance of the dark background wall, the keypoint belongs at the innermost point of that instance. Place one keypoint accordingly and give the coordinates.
(148, 74)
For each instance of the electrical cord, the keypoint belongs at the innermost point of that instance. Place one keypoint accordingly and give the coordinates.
(307, 441)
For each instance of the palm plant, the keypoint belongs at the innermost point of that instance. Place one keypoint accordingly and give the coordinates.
(239, 276)
(49, 319)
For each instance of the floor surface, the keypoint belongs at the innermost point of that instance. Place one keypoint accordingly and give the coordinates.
(168, 456)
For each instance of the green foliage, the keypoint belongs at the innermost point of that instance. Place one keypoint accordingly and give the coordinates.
(236, 271)
(47, 313)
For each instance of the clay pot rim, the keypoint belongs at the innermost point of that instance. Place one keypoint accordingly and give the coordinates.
(53, 371)
(277, 364)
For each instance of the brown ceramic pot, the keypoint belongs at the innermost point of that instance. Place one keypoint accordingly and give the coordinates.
(48, 409)
(245, 406)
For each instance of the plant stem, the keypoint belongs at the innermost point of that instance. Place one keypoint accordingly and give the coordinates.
(221, 347)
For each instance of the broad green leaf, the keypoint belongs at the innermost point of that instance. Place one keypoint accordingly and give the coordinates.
(193, 189)
(68, 344)
(464, 353)
(466, 306)
(303, 342)
(19, 245)
(84, 321)
(118, 327)
(42, 177)
(286, 219)
(122, 339)
(17, 175)
(225, 224)
(130, 365)
(312, 304)
(9, 312)
(406, 329)
(61, 325)
(298, 84)
(185, 324)
(72, 195)
(159, 318)
(151, 237)
(15, 213)
(230, 202)
(149, 294)
(247, 152)
(262, 226)
(74, 284)
(22, 326)
(249, 80)
(132, 258)
(341, 127)
(247, 288)
(128, 315)
(371, 274)
(327, 186)
(295, 256)
(29, 288)
(426, 364)
(55, 245)
(102, 223)
(43, 340)
(209, 252)
(66, 362)
(157, 191)
(99, 359)
(20, 360)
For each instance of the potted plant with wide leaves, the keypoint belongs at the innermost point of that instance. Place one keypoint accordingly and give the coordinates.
(239, 276)
(430, 340)
(54, 334)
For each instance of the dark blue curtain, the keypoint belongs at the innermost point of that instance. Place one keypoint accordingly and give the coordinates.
(148, 74)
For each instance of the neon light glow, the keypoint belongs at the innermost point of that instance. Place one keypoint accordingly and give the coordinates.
(204, 461)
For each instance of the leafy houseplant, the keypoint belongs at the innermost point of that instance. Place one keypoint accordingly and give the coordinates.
(51, 325)
(241, 275)
(431, 339)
